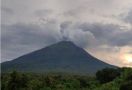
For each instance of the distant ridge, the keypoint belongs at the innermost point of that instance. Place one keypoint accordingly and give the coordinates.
(63, 56)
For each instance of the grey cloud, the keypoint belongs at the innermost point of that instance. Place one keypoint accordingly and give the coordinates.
(43, 12)
(128, 18)
(72, 32)
(18, 39)
(25, 38)
(26, 34)
(7, 10)
(122, 39)
(100, 30)
(6, 14)
(63, 27)
(83, 39)
(86, 34)
(109, 34)
(28, 37)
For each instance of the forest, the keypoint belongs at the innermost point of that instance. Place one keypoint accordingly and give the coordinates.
(105, 79)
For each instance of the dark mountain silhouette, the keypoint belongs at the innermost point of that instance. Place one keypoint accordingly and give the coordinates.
(64, 56)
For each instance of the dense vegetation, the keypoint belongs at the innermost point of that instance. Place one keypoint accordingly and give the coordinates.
(106, 79)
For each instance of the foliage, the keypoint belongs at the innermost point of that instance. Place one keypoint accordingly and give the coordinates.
(126, 85)
(62, 81)
(107, 75)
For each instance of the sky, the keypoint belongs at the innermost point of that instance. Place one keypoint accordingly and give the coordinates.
(102, 27)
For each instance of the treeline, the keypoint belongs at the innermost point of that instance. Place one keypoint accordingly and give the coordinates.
(106, 79)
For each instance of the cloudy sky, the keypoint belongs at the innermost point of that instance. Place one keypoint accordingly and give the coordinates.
(101, 27)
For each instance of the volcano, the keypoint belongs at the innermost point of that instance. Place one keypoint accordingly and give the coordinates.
(63, 56)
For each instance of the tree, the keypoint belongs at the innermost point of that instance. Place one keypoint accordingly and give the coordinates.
(17, 81)
(24, 81)
(13, 83)
(107, 75)
(126, 85)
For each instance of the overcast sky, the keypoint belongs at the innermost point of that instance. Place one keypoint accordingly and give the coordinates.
(101, 27)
